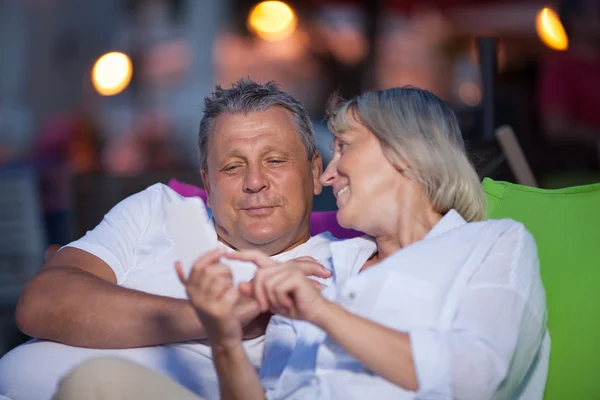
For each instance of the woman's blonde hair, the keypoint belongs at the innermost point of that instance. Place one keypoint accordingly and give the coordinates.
(418, 130)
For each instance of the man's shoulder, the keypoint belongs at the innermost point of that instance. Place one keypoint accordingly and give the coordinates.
(157, 194)
(163, 191)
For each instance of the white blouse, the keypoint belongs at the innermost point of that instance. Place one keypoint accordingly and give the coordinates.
(469, 295)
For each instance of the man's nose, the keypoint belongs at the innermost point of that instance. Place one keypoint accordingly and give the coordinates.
(255, 180)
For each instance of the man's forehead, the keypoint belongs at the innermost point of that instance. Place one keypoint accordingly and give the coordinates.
(272, 130)
(275, 122)
(274, 115)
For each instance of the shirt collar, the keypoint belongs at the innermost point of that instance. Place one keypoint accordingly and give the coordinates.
(316, 247)
(451, 220)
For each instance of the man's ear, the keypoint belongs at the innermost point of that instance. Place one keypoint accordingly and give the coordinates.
(317, 170)
(206, 186)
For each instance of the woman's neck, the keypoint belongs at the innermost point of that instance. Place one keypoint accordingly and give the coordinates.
(410, 227)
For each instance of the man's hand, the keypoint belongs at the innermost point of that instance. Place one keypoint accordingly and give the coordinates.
(211, 292)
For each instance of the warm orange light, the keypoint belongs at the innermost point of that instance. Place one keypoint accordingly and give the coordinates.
(550, 29)
(272, 20)
(112, 73)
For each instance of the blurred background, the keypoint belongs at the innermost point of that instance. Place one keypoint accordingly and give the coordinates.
(100, 99)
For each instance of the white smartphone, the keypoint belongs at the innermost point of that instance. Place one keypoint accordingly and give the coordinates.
(193, 234)
(191, 230)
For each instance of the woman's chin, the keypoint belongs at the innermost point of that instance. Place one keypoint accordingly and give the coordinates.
(346, 219)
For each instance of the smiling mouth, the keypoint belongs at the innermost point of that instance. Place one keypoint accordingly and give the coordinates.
(342, 190)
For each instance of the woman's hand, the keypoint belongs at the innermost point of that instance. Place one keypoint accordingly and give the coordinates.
(210, 290)
(285, 290)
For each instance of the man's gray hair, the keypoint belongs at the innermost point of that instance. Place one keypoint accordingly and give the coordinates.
(246, 96)
(417, 128)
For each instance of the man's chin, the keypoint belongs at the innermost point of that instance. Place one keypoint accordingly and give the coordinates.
(262, 237)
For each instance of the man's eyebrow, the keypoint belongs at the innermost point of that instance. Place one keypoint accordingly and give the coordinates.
(272, 149)
(265, 150)
(231, 153)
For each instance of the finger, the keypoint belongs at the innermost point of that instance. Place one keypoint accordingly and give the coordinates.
(260, 295)
(305, 258)
(285, 291)
(204, 282)
(314, 268)
(218, 271)
(179, 271)
(230, 296)
(246, 308)
(208, 259)
(317, 285)
(270, 286)
(218, 286)
(258, 287)
(280, 297)
(260, 259)
(246, 289)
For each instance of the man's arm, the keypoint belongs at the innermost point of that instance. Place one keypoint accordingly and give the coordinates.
(74, 300)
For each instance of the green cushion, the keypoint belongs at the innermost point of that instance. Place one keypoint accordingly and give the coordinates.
(566, 226)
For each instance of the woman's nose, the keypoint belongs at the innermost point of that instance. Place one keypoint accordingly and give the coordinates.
(330, 173)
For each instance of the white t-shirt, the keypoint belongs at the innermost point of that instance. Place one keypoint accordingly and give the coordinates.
(132, 239)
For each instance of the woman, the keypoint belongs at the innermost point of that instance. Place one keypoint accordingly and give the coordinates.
(431, 304)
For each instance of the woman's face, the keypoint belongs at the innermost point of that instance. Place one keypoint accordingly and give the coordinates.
(368, 188)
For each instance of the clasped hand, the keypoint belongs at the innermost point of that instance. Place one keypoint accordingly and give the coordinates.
(281, 288)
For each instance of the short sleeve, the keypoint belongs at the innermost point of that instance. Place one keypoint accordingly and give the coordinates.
(115, 238)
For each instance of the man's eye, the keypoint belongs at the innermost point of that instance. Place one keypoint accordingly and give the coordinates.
(230, 168)
(276, 162)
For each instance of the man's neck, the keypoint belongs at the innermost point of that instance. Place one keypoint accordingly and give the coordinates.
(278, 246)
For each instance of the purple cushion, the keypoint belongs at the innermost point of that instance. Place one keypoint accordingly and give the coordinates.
(320, 221)
(187, 190)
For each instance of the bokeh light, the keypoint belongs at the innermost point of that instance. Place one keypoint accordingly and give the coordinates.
(550, 29)
(469, 93)
(272, 20)
(112, 73)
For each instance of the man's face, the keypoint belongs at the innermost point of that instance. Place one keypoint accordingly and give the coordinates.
(259, 181)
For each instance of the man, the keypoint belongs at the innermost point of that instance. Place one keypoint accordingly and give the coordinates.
(115, 291)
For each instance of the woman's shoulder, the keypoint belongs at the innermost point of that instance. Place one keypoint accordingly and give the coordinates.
(507, 226)
(510, 234)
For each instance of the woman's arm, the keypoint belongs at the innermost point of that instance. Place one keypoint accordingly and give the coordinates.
(237, 376)
(211, 292)
(384, 351)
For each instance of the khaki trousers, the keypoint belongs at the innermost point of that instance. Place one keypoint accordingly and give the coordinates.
(113, 378)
